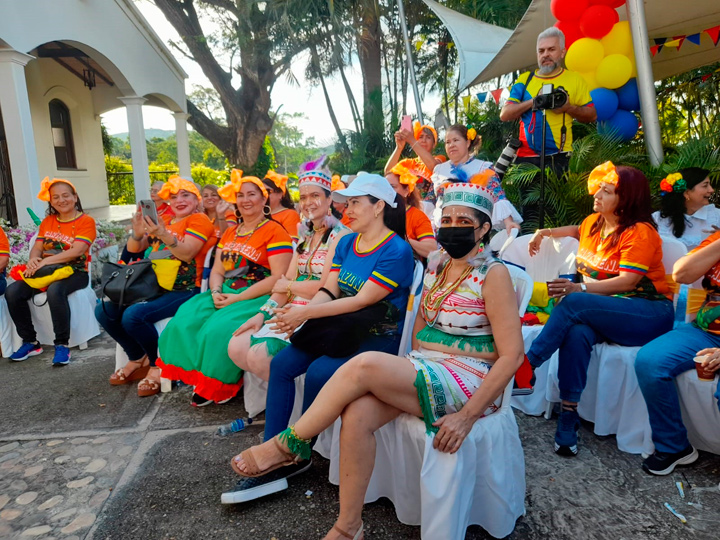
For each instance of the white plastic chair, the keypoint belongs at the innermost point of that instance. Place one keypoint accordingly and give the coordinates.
(501, 241)
(412, 308)
(7, 329)
(523, 285)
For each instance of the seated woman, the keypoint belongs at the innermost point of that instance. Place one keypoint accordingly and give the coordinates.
(418, 228)
(254, 344)
(281, 206)
(623, 297)
(64, 238)
(4, 260)
(164, 210)
(250, 258)
(422, 142)
(663, 359)
(218, 211)
(467, 345)
(685, 209)
(461, 144)
(369, 282)
(186, 237)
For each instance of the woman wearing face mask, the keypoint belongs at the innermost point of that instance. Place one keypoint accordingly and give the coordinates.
(685, 210)
(187, 237)
(250, 258)
(281, 206)
(256, 342)
(623, 297)
(467, 344)
(461, 144)
(64, 237)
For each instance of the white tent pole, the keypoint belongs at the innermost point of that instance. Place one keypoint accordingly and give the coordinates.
(646, 81)
(411, 67)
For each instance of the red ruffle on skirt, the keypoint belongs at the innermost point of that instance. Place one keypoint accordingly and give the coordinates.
(205, 386)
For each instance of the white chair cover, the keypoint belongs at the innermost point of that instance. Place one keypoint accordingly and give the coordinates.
(121, 358)
(700, 412)
(523, 285)
(501, 241)
(556, 257)
(536, 403)
(7, 329)
(412, 308)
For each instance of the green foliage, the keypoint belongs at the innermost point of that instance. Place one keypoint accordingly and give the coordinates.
(107, 141)
(121, 189)
(265, 161)
(485, 118)
(204, 175)
(292, 148)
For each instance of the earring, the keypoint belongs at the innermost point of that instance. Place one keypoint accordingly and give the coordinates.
(266, 209)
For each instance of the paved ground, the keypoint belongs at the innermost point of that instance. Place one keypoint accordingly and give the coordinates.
(81, 459)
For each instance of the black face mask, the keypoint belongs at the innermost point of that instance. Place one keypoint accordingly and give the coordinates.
(457, 241)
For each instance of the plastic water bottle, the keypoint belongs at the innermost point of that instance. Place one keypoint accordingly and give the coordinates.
(234, 426)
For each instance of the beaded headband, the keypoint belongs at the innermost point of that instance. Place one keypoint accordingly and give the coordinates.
(470, 196)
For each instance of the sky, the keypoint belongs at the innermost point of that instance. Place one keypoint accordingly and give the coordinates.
(304, 98)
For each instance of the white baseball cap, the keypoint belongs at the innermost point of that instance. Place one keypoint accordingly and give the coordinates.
(368, 184)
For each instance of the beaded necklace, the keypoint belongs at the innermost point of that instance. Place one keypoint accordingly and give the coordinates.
(69, 221)
(435, 296)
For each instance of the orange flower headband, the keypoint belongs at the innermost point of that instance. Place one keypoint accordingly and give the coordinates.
(229, 191)
(176, 183)
(45, 185)
(280, 180)
(417, 130)
(407, 175)
(607, 173)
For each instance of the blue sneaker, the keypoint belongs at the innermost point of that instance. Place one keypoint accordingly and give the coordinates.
(26, 351)
(62, 356)
(566, 434)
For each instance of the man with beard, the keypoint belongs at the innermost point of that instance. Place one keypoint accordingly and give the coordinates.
(550, 53)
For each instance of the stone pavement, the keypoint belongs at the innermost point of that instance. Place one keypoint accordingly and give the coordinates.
(82, 459)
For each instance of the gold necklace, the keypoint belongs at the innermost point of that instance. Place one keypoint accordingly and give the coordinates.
(436, 296)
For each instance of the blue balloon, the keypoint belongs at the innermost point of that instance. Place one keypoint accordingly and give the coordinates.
(628, 96)
(605, 102)
(622, 124)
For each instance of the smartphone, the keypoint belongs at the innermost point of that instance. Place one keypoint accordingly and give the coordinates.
(148, 209)
(406, 123)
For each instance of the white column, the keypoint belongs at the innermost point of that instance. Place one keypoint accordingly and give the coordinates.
(15, 106)
(138, 146)
(646, 81)
(183, 143)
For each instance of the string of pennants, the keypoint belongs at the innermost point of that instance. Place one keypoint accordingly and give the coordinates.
(482, 96)
(678, 41)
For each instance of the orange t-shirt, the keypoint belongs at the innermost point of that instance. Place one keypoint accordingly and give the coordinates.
(417, 225)
(198, 226)
(289, 219)
(56, 236)
(639, 250)
(4, 244)
(251, 252)
(345, 220)
(708, 317)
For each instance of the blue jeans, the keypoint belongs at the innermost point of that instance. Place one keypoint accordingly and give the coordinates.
(657, 364)
(134, 328)
(3, 283)
(582, 320)
(291, 362)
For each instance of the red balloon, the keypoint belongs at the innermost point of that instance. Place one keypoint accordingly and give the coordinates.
(597, 21)
(612, 3)
(568, 10)
(571, 30)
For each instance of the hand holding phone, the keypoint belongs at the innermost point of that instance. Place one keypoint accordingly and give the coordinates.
(148, 209)
(406, 123)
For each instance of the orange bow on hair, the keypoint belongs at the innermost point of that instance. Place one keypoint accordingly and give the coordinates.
(404, 169)
(279, 180)
(336, 183)
(606, 172)
(45, 185)
(229, 191)
(176, 183)
(417, 130)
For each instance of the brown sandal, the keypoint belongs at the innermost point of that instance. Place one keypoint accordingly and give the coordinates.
(358, 533)
(148, 387)
(253, 470)
(118, 378)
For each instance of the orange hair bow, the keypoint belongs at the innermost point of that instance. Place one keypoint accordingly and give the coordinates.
(176, 183)
(280, 180)
(229, 191)
(46, 184)
(417, 130)
(405, 170)
(606, 172)
(336, 183)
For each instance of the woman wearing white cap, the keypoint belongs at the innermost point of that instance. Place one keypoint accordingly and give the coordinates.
(467, 345)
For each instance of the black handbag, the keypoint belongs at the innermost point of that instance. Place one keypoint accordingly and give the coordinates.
(340, 335)
(126, 284)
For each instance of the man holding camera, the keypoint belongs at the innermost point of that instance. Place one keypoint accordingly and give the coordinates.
(551, 92)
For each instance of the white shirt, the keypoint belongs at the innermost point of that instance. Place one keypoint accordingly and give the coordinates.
(697, 227)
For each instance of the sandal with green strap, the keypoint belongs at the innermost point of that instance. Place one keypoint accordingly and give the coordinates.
(297, 450)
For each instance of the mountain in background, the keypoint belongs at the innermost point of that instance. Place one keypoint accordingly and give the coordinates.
(150, 133)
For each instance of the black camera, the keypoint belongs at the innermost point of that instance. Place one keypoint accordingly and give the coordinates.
(507, 157)
(550, 98)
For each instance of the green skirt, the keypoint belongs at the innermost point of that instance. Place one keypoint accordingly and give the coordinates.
(193, 347)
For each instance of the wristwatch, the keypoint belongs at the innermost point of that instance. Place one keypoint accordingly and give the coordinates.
(583, 287)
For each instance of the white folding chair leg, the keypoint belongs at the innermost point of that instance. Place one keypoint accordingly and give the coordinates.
(165, 385)
(82, 346)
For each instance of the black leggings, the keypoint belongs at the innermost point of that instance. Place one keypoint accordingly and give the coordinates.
(18, 293)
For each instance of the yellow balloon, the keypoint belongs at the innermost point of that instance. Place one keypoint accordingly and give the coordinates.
(618, 40)
(584, 55)
(614, 71)
(590, 80)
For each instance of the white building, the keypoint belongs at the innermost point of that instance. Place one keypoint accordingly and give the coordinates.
(63, 63)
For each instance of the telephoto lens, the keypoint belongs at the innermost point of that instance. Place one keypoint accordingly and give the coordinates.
(507, 157)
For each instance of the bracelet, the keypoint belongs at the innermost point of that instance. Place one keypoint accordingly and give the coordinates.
(289, 291)
(136, 238)
(330, 294)
(215, 291)
(174, 244)
(266, 309)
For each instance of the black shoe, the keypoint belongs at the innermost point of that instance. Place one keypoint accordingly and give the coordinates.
(566, 437)
(198, 401)
(661, 463)
(248, 489)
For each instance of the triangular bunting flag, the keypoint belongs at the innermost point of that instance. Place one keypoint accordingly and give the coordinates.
(706, 77)
(466, 102)
(673, 43)
(714, 34)
(496, 95)
(482, 96)
(681, 39)
(660, 42)
(694, 38)
(654, 49)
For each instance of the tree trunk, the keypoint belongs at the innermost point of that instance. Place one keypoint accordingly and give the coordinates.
(371, 68)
